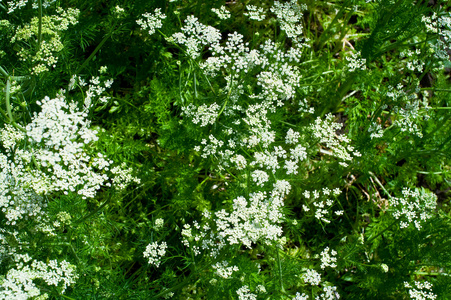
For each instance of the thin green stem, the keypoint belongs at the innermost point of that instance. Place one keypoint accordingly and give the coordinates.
(93, 212)
(380, 233)
(40, 24)
(280, 270)
(8, 103)
(3, 71)
(324, 35)
(94, 52)
(380, 184)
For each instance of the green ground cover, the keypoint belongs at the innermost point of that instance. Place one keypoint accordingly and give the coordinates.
(225, 149)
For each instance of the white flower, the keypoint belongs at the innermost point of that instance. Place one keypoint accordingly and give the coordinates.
(159, 224)
(222, 12)
(255, 13)
(414, 208)
(152, 21)
(223, 271)
(328, 258)
(245, 294)
(19, 282)
(292, 136)
(329, 293)
(421, 290)
(260, 177)
(155, 252)
(312, 277)
(300, 297)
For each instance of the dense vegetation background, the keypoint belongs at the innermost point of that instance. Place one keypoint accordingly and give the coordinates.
(225, 150)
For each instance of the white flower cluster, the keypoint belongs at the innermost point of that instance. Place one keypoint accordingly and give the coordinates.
(155, 253)
(328, 258)
(420, 290)
(415, 207)
(376, 131)
(355, 62)
(281, 76)
(322, 208)
(260, 177)
(300, 296)
(312, 277)
(222, 12)
(18, 4)
(411, 62)
(244, 293)
(223, 271)
(210, 242)
(57, 140)
(19, 282)
(158, 224)
(253, 220)
(52, 27)
(96, 87)
(329, 293)
(203, 114)
(292, 137)
(277, 81)
(289, 15)
(151, 22)
(409, 109)
(270, 160)
(325, 131)
(255, 13)
(440, 25)
(195, 36)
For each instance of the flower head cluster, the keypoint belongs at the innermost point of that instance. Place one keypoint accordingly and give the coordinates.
(222, 12)
(18, 4)
(329, 293)
(52, 27)
(289, 15)
(244, 293)
(376, 130)
(411, 60)
(420, 290)
(158, 224)
(155, 252)
(321, 207)
(251, 221)
(409, 109)
(355, 62)
(325, 131)
(195, 36)
(151, 22)
(441, 26)
(21, 282)
(222, 269)
(96, 87)
(300, 296)
(415, 207)
(255, 13)
(57, 140)
(203, 114)
(328, 258)
(312, 277)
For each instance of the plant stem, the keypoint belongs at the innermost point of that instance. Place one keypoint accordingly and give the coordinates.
(280, 271)
(380, 184)
(40, 24)
(94, 212)
(94, 52)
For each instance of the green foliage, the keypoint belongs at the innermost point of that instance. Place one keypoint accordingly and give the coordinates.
(234, 206)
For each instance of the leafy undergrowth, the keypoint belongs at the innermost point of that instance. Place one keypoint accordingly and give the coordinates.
(225, 150)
